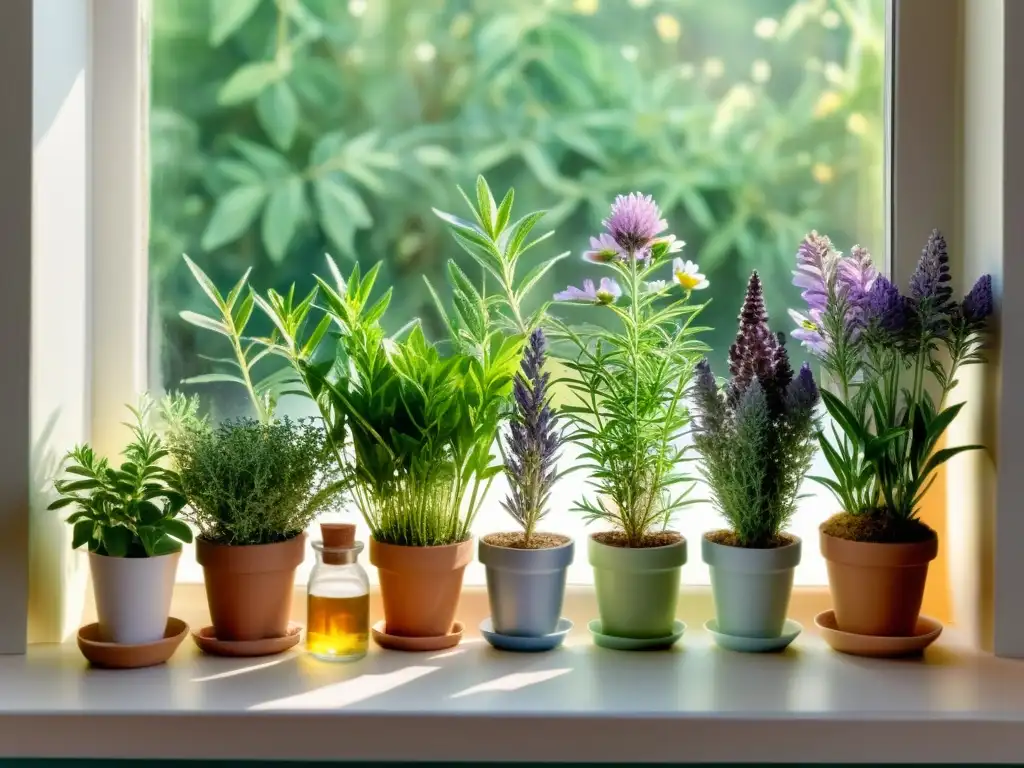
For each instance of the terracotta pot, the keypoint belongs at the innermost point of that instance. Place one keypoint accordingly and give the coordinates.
(420, 586)
(249, 588)
(877, 589)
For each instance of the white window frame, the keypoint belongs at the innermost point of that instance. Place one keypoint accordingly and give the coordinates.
(928, 172)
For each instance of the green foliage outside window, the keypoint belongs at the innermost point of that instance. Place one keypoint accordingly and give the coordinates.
(284, 129)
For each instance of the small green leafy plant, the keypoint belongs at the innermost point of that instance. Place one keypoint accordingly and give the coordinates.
(127, 511)
(252, 482)
(630, 383)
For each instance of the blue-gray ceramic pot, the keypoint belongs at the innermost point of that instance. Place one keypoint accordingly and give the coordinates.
(751, 587)
(526, 587)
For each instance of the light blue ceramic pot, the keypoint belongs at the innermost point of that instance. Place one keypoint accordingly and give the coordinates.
(751, 587)
(525, 587)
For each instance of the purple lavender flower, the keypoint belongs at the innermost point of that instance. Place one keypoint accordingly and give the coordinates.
(815, 262)
(758, 354)
(532, 442)
(809, 330)
(930, 281)
(605, 293)
(634, 222)
(709, 405)
(856, 274)
(885, 309)
(977, 304)
(802, 394)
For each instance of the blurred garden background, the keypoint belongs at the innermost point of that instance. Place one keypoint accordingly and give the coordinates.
(285, 129)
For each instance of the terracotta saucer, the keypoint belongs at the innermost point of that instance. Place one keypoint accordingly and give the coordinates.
(208, 643)
(926, 632)
(116, 656)
(399, 643)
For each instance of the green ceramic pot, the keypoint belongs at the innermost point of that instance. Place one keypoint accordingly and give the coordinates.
(637, 589)
(751, 587)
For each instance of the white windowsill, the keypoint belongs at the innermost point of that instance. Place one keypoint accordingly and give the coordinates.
(581, 704)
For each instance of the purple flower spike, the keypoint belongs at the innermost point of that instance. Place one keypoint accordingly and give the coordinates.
(885, 309)
(710, 407)
(930, 281)
(634, 222)
(605, 293)
(977, 305)
(802, 393)
(857, 273)
(815, 261)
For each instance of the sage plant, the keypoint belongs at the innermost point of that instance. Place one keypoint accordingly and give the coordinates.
(756, 435)
(532, 443)
(630, 382)
(894, 360)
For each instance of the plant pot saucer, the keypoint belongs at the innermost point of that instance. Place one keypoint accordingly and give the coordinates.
(926, 633)
(268, 646)
(522, 643)
(790, 630)
(133, 656)
(635, 643)
(403, 643)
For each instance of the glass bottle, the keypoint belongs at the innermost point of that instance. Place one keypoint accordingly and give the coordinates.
(338, 597)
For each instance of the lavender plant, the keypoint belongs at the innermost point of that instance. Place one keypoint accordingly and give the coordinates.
(756, 435)
(870, 338)
(534, 437)
(630, 383)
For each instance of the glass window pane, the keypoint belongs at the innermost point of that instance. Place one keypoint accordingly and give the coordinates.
(283, 130)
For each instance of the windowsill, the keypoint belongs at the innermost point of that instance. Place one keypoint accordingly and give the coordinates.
(695, 704)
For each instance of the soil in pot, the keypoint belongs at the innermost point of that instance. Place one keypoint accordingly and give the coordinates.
(751, 585)
(420, 586)
(249, 588)
(637, 587)
(526, 581)
(877, 585)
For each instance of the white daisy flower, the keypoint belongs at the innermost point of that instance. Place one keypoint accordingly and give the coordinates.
(688, 275)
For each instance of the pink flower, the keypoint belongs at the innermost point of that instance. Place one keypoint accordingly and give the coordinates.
(605, 293)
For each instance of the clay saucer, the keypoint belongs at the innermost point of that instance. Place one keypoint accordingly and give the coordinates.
(208, 643)
(926, 632)
(400, 643)
(117, 656)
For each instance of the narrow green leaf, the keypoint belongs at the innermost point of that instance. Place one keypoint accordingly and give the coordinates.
(227, 17)
(519, 232)
(202, 321)
(278, 111)
(247, 82)
(485, 204)
(504, 212)
(232, 216)
(205, 283)
(213, 378)
(240, 318)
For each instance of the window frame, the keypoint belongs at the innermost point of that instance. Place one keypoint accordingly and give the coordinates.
(923, 177)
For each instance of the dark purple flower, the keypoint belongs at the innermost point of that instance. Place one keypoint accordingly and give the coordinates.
(709, 406)
(757, 354)
(802, 393)
(533, 439)
(635, 222)
(977, 304)
(886, 309)
(930, 281)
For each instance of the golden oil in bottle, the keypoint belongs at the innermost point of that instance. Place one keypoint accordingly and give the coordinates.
(338, 628)
(338, 602)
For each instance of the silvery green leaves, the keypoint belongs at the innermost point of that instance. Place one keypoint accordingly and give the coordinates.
(496, 243)
(126, 511)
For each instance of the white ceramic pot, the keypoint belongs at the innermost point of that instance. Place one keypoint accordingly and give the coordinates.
(133, 596)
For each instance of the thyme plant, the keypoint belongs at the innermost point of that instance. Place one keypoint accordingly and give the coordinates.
(251, 482)
(127, 511)
(894, 360)
(756, 435)
(630, 383)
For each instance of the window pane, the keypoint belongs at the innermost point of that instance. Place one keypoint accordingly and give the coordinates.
(284, 130)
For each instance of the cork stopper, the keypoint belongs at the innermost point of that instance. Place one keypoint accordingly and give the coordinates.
(337, 536)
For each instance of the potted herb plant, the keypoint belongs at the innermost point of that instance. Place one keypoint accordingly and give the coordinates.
(526, 569)
(893, 360)
(755, 438)
(252, 488)
(128, 517)
(413, 424)
(630, 411)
